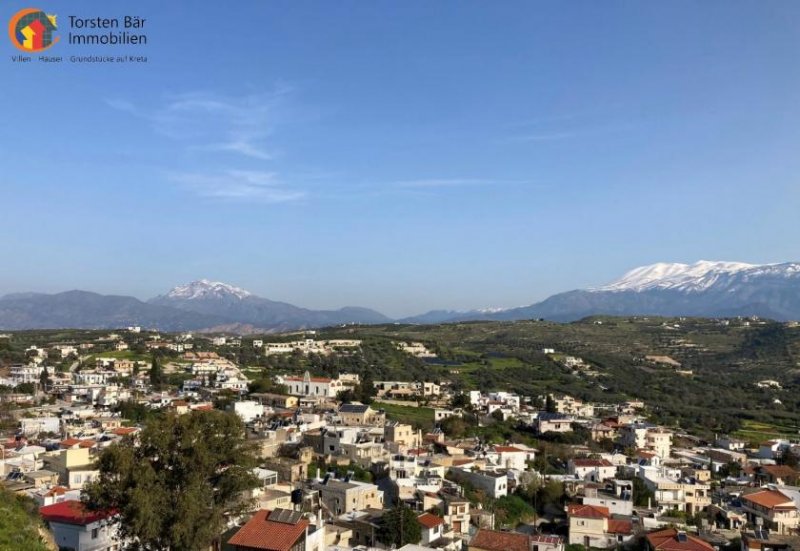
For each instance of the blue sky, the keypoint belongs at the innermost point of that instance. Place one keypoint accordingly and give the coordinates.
(402, 155)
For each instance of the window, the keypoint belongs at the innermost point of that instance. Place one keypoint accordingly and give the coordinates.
(95, 531)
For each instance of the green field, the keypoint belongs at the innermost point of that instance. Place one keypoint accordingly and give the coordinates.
(755, 432)
(419, 417)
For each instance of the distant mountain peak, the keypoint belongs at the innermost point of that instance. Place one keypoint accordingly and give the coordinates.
(204, 288)
(673, 275)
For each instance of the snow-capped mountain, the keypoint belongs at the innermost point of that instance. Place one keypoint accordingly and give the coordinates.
(238, 306)
(198, 305)
(682, 277)
(204, 288)
(705, 289)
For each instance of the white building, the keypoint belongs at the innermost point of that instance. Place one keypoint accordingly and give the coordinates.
(593, 470)
(27, 373)
(75, 528)
(313, 387)
(494, 483)
(248, 410)
(93, 377)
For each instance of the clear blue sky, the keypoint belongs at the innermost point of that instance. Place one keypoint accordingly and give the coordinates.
(402, 155)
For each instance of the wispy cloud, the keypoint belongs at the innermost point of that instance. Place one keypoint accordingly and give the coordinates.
(209, 122)
(225, 130)
(243, 185)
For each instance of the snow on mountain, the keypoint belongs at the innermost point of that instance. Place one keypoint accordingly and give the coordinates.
(204, 288)
(696, 277)
(491, 310)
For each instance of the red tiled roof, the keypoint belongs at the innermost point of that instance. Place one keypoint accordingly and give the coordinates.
(616, 526)
(124, 431)
(312, 379)
(779, 471)
(591, 463)
(492, 540)
(71, 512)
(667, 540)
(430, 521)
(507, 449)
(587, 511)
(417, 451)
(771, 499)
(261, 533)
(69, 442)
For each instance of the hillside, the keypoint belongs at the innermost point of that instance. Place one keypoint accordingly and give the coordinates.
(714, 389)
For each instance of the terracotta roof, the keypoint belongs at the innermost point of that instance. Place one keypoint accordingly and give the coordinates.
(430, 521)
(507, 449)
(771, 499)
(312, 379)
(492, 540)
(616, 526)
(124, 431)
(69, 442)
(779, 471)
(591, 463)
(587, 511)
(70, 512)
(667, 540)
(261, 533)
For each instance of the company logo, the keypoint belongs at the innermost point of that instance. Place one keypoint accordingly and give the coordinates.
(32, 30)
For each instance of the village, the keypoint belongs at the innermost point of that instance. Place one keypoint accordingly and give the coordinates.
(336, 459)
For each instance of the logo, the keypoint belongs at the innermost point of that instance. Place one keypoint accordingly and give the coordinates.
(32, 30)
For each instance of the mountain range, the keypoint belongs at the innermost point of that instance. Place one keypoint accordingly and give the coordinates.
(703, 289)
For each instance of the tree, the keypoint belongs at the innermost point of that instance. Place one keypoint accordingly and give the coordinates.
(176, 486)
(642, 495)
(453, 426)
(20, 526)
(399, 526)
(366, 390)
(26, 388)
(550, 404)
(460, 401)
(156, 373)
(44, 379)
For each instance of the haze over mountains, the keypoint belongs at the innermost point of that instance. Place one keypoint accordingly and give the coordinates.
(707, 289)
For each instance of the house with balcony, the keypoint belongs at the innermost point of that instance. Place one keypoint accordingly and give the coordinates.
(771, 509)
(593, 470)
(593, 526)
